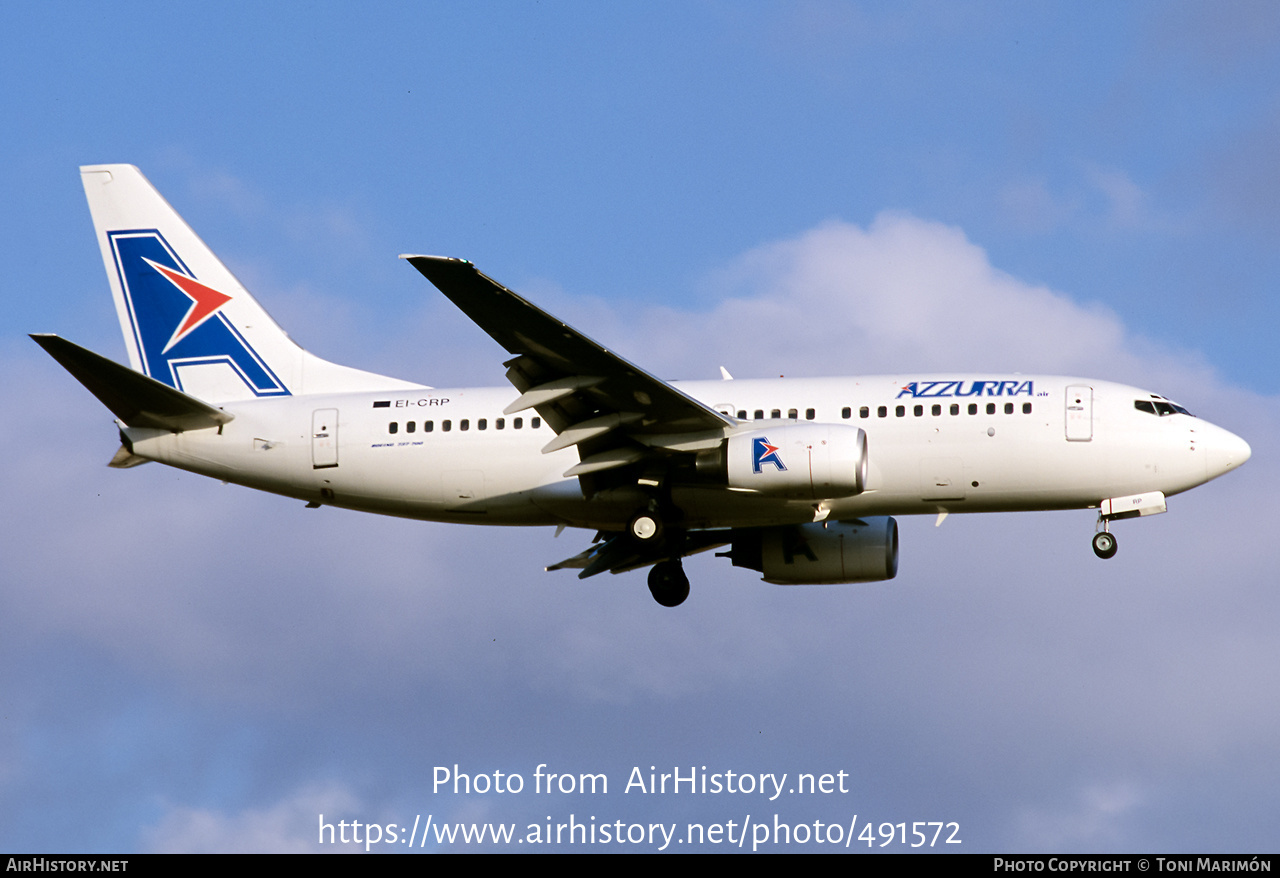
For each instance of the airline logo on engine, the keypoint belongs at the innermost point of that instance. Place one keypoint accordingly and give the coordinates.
(940, 389)
(762, 452)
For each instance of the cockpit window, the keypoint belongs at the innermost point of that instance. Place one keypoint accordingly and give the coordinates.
(1161, 407)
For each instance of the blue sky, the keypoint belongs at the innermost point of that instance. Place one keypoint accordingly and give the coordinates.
(809, 188)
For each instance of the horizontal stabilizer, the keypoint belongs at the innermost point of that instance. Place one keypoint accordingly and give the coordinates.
(135, 399)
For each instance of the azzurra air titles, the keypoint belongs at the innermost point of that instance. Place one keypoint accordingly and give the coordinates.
(939, 389)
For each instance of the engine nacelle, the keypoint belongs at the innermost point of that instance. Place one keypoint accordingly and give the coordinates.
(864, 550)
(807, 461)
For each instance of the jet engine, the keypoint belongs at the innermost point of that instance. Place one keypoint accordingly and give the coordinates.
(805, 461)
(861, 550)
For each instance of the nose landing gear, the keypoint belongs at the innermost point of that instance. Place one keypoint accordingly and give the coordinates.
(654, 531)
(1104, 542)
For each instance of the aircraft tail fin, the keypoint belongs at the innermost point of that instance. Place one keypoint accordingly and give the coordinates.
(188, 322)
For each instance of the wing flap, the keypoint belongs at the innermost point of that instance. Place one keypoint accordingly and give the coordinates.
(552, 391)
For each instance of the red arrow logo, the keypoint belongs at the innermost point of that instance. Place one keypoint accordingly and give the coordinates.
(204, 302)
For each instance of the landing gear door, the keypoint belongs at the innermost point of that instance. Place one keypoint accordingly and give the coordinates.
(1079, 413)
(324, 438)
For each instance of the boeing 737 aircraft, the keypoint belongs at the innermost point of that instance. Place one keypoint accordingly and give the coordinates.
(796, 477)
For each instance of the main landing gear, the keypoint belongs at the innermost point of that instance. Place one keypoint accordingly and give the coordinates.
(668, 583)
(1104, 542)
(651, 536)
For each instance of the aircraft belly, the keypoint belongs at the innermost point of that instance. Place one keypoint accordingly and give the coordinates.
(720, 507)
(412, 480)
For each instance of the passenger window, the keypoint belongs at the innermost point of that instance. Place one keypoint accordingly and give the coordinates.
(481, 424)
(937, 410)
(500, 423)
(973, 408)
(464, 424)
(393, 427)
(793, 414)
(810, 414)
(955, 408)
(428, 426)
(446, 426)
(411, 427)
(777, 413)
(846, 412)
(517, 423)
(882, 412)
(918, 411)
(864, 412)
(1008, 408)
(742, 414)
(759, 414)
(1026, 408)
(900, 411)
(535, 423)
(991, 408)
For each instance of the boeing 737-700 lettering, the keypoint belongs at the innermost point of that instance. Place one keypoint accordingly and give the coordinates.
(797, 477)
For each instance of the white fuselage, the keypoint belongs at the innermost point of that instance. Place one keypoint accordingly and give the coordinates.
(952, 443)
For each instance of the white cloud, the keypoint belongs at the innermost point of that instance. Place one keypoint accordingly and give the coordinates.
(902, 294)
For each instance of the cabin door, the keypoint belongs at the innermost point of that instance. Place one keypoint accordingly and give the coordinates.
(1079, 413)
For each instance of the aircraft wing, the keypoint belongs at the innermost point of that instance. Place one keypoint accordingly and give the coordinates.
(615, 412)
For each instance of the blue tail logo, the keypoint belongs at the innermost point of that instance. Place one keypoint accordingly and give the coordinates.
(177, 321)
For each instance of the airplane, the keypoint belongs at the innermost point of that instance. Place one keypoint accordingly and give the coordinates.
(799, 478)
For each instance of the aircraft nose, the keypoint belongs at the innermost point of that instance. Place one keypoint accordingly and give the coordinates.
(1224, 451)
